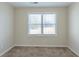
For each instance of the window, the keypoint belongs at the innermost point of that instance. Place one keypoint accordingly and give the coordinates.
(42, 24)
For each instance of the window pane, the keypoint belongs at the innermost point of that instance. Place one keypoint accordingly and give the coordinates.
(49, 18)
(35, 19)
(49, 22)
(49, 29)
(34, 29)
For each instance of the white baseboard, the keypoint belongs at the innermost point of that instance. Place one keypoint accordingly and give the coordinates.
(6, 50)
(74, 51)
(43, 45)
(40, 46)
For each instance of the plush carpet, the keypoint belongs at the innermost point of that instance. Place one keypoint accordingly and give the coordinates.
(39, 52)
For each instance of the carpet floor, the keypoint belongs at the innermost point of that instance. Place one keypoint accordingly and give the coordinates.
(39, 52)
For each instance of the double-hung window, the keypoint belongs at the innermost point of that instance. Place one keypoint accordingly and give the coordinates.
(42, 23)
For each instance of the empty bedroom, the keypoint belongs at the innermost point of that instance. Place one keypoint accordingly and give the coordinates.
(39, 29)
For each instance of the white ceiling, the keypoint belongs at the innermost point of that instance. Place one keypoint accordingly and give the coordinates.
(40, 4)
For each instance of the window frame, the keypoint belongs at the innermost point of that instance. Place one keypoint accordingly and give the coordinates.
(42, 25)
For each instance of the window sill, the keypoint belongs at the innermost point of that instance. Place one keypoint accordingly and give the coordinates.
(53, 35)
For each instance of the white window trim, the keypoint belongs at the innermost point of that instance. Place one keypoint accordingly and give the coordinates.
(42, 30)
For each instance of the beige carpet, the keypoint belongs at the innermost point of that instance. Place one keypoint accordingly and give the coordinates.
(39, 52)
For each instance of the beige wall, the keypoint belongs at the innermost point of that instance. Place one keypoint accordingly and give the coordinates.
(74, 28)
(21, 31)
(6, 27)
